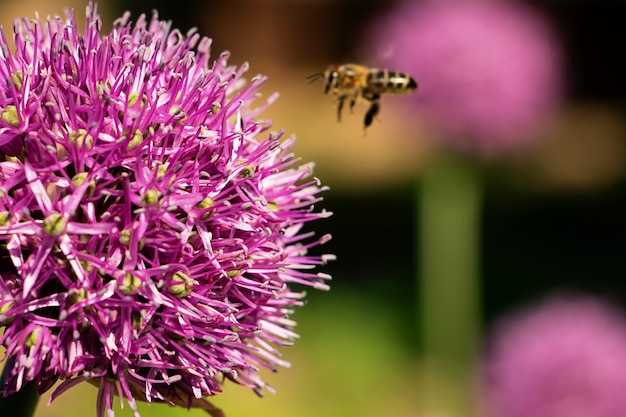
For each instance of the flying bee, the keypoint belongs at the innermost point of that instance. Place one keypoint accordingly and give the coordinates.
(351, 82)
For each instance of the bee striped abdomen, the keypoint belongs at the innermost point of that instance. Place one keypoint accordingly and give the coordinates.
(385, 81)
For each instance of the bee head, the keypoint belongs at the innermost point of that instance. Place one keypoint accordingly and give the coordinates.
(332, 78)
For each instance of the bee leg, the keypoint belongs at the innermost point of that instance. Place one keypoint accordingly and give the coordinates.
(340, 102)
(371, 113)
(353, 99)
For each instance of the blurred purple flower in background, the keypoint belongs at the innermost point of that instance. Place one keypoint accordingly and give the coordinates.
(489, 71)
(150, 230)
(564, 358)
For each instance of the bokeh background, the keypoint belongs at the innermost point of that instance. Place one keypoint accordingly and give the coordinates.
(552, 216)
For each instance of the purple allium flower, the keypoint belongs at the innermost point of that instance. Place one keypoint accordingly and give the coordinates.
(150, 228)
(564, 358)
(489, 71)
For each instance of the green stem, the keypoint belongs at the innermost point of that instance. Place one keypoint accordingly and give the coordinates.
(21, 404)
(450, 203)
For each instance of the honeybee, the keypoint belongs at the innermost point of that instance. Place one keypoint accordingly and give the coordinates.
(351, 82)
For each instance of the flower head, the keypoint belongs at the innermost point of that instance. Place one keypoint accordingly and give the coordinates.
(150, 230)
(563, 358)
(489, 71)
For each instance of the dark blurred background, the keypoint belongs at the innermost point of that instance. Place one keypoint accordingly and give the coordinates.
(554, 216)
